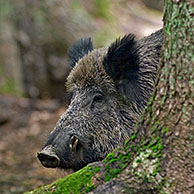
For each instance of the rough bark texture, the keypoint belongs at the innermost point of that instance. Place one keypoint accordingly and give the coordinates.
(159, 157)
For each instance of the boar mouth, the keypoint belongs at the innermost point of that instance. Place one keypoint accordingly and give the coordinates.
(48, 158)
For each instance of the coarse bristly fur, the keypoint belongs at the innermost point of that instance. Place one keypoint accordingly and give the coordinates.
(110, 88)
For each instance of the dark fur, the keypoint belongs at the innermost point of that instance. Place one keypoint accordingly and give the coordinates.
(111, 87)
(79, 49)
(120, 64)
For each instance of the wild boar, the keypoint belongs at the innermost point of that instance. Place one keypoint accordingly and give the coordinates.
(110, 88)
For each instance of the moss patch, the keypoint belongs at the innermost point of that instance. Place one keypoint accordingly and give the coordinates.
(78, 182)
(144, 156)
(120, 158)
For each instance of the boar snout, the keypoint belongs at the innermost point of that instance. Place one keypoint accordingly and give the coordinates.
(48, 158)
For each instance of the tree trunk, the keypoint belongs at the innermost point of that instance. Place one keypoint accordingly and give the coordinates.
(159, 157)
(10, 65)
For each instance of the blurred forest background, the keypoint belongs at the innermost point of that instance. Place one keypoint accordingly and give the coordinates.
(34, 38)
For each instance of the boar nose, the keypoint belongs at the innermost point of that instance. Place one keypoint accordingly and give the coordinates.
(48, 158)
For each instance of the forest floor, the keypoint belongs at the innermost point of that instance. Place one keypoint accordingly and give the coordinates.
(24, 127)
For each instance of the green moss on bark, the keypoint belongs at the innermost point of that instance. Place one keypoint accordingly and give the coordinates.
(79, 182)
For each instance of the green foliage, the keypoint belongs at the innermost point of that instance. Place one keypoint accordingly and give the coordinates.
(102, 8)
(8, 85)
(6, 9)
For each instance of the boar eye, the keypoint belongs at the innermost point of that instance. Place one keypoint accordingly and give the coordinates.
(98, 98)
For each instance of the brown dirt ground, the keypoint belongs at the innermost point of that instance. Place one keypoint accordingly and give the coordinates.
(24, 126)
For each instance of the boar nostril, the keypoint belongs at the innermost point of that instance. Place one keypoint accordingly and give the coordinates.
(48, 160)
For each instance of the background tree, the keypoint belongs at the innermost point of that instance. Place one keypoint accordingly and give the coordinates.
(159, 157)
(35, 36)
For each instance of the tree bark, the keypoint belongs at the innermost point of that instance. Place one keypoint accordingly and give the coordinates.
(159, 157)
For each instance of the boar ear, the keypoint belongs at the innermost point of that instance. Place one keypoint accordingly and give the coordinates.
(122, 64)
(121, 60)
(80, 48)
(133, 66)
